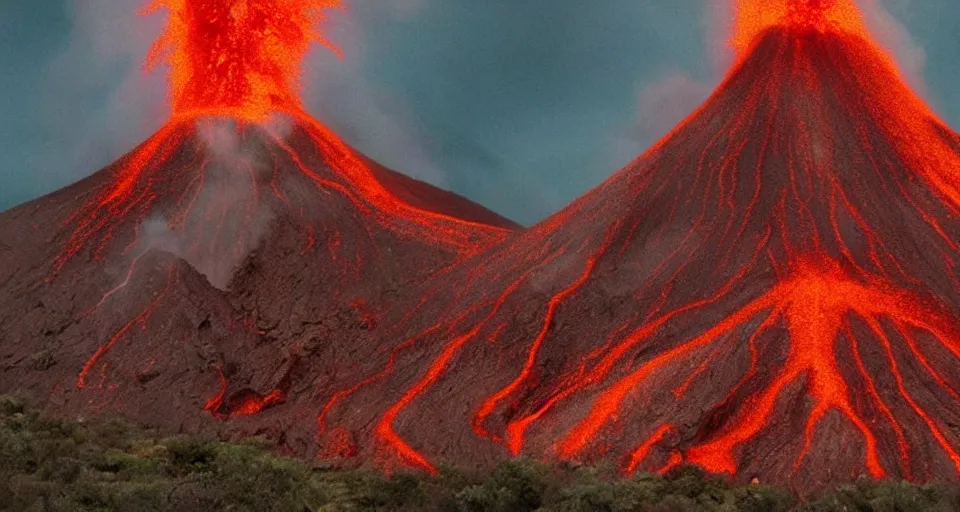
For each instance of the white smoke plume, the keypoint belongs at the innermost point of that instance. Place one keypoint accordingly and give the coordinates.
(99, 104)
(215, 245)
(664, 102)
(894, 36)
(339, 94)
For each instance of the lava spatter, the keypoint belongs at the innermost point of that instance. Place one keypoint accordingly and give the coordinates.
(770, 291)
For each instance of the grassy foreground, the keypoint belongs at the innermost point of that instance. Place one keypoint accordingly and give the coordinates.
(48, 465)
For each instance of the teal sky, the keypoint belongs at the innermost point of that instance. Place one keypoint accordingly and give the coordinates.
(521, 105)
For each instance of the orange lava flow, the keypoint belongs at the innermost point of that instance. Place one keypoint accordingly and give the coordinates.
(514, 438)
(154, 179)
(242, 404)
(815, 305)
(385, 433)
(212, 181)
(643, 450)
(239, 58)
(337, 202)
(438, 367)
(445, 230)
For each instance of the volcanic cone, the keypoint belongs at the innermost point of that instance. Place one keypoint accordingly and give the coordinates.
(771, 292)
(200, 269)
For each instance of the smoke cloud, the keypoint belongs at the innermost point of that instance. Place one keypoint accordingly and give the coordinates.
(663, 103)
(99, 104)
(371, 119)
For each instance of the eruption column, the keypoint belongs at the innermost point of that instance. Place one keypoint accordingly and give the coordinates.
(237, 58)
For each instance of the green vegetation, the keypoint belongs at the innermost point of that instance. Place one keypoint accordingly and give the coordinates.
(48, 465)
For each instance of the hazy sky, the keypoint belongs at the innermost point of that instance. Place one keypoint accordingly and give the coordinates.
(521, 105)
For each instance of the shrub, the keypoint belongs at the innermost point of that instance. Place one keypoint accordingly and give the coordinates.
(48, 465)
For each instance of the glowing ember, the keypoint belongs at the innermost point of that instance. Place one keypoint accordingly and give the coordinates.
(239, 58)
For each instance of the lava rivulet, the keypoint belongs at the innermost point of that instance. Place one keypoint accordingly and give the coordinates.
(174, 171)
(770, 291)
(813, 306)
(286, 205)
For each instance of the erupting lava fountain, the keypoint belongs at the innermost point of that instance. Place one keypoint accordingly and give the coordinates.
(771, 291)
(272, 238)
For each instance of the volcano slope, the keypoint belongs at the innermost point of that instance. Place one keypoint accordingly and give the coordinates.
(199, 269)
(771, 291)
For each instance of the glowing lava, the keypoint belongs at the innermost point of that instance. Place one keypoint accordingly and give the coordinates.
(237, 58)
(752, 17)
(816, 308)
(772, 291)
(239, 62)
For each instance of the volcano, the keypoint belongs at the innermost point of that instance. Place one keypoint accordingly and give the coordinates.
(769, 292)
(199, 270)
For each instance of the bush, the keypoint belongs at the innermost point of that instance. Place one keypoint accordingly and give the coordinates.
(889, 497)
(48, 465)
